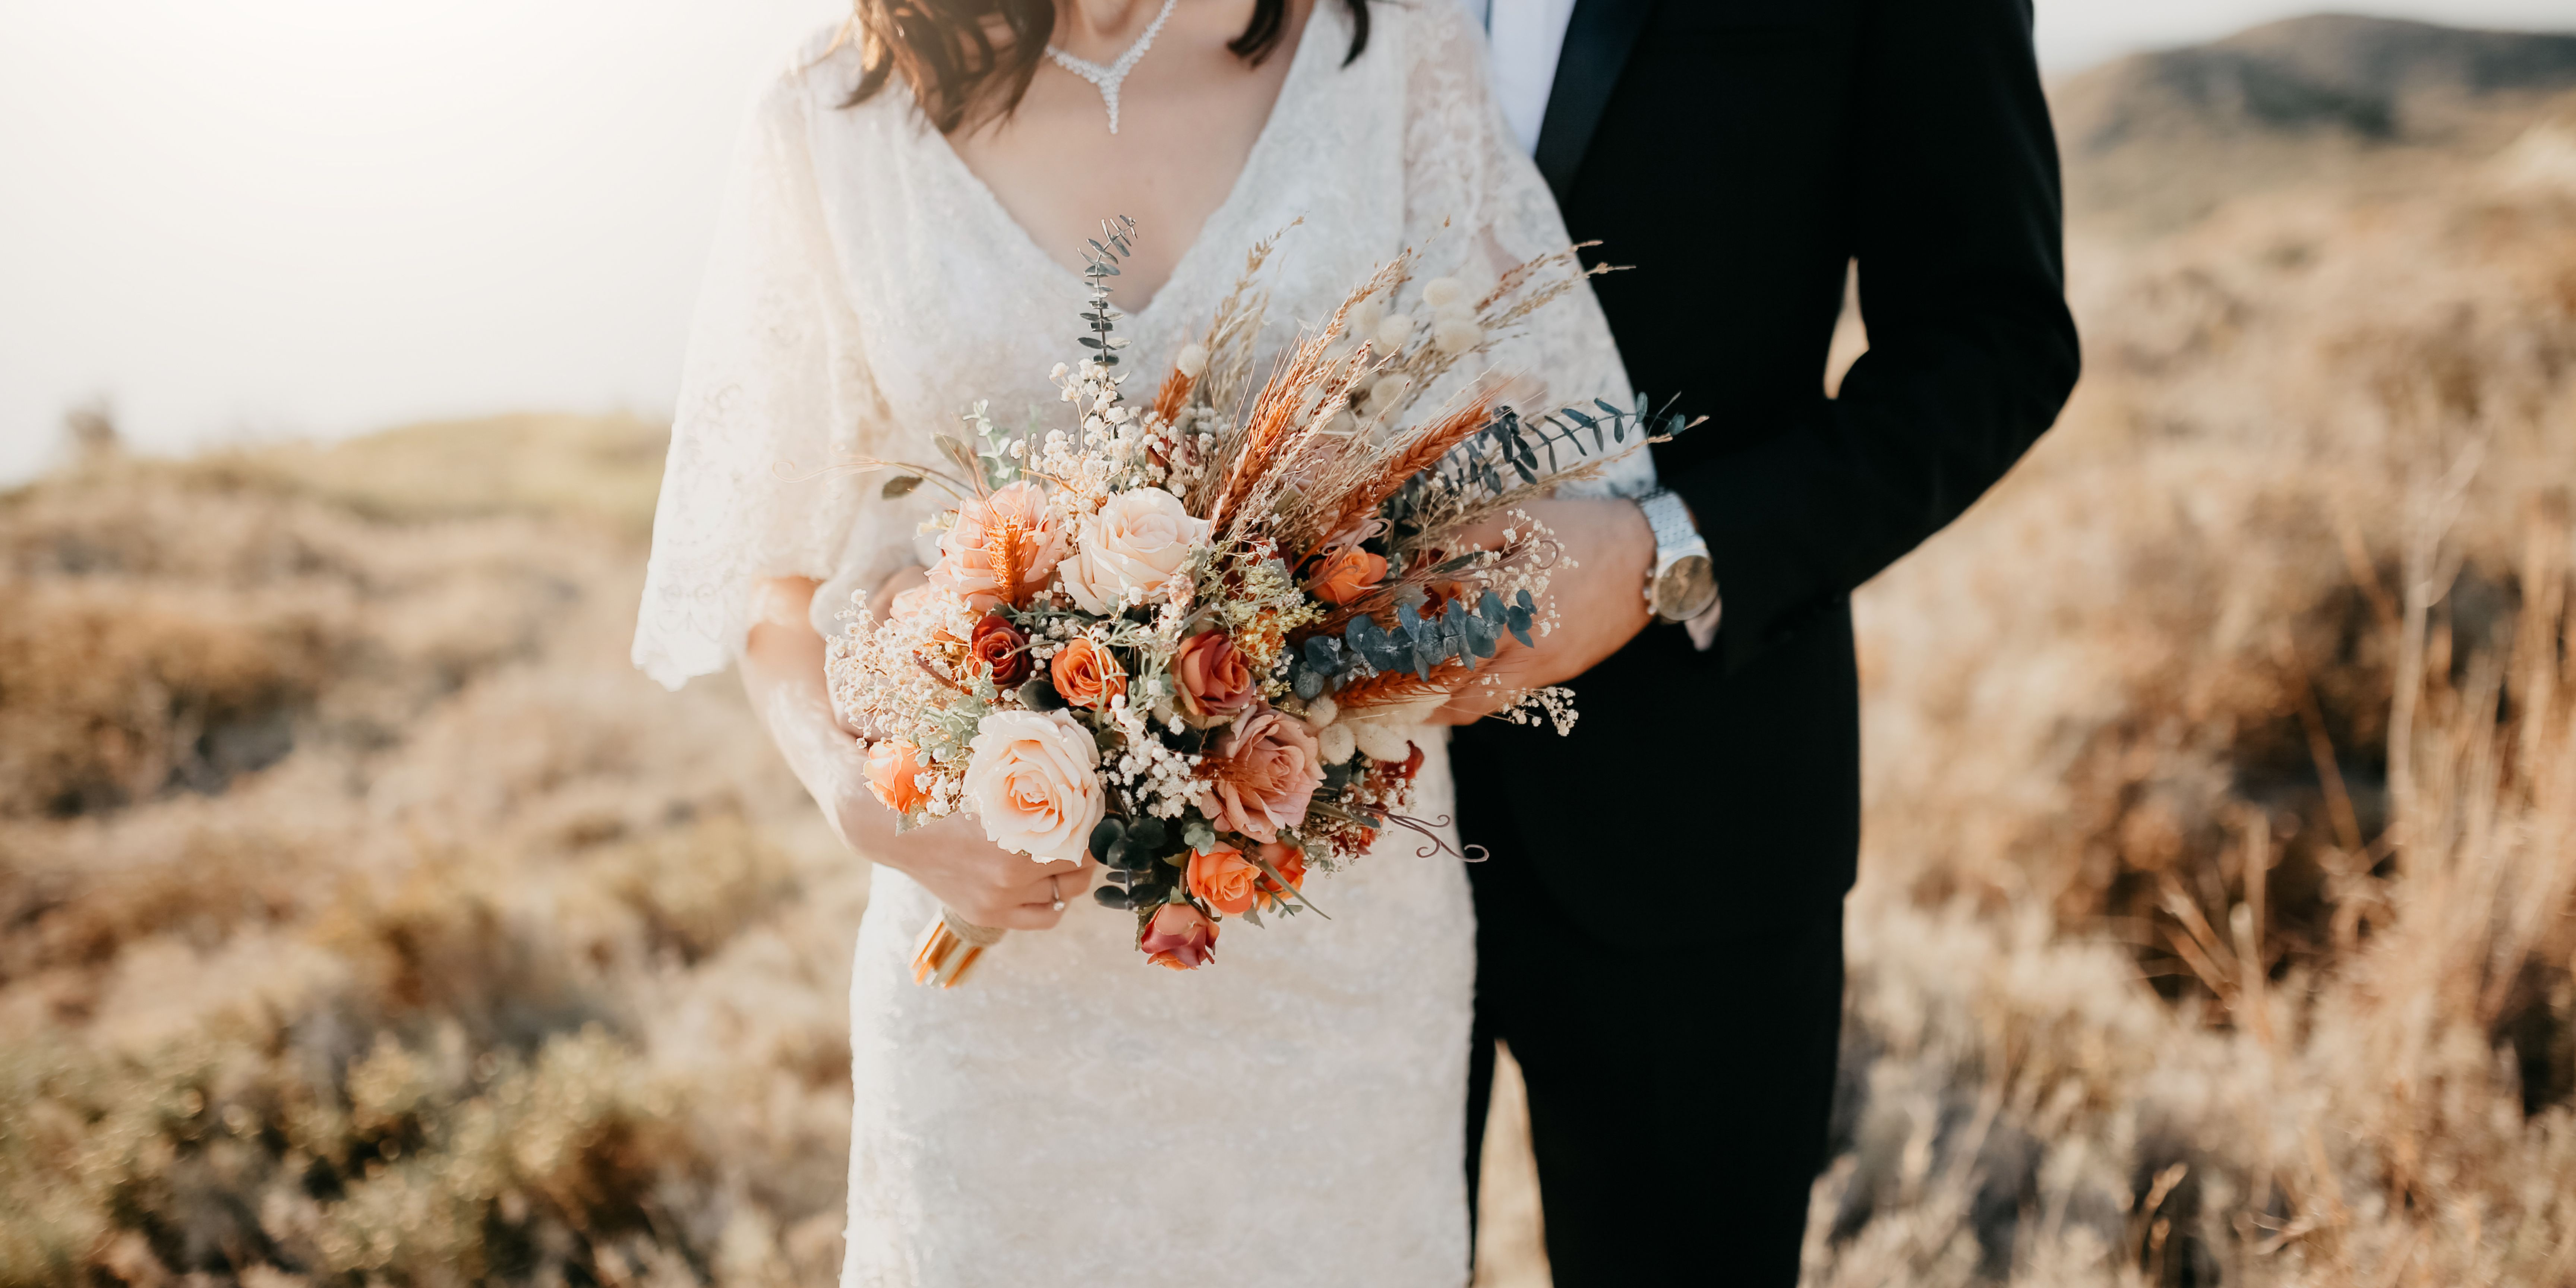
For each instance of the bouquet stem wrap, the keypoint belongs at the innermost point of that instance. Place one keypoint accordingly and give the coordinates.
(949, 947)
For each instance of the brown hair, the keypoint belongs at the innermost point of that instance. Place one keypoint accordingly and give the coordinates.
(945, 51)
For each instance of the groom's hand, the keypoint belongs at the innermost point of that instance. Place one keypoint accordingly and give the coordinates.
(1597, 591)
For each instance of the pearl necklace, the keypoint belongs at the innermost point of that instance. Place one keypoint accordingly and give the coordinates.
(1107, 79)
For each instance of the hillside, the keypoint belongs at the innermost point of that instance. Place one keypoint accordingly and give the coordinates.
(2159, 138)
(365, 919)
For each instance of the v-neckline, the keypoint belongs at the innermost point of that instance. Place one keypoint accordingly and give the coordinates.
(1263, 144)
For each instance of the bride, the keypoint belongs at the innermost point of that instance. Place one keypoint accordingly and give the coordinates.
(901, 239)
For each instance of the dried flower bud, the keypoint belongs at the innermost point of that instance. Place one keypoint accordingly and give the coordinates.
(1441, 292)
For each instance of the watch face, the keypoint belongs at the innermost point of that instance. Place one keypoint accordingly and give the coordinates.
(1686, 589)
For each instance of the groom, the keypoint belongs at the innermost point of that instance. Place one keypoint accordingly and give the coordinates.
(1661, 918)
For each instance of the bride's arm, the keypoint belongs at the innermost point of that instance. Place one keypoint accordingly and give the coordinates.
(1464, 172)
(782, 668)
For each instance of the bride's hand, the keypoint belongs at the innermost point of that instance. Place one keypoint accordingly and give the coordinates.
(969, 875)
(782, 668)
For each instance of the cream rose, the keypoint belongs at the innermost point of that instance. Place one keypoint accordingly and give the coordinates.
(1035, 783)
(1137, 541)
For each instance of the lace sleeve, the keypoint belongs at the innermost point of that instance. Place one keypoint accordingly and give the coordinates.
(1464, 170)
(775, 389)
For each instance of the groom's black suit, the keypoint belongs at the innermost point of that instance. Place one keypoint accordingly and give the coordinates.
(1661, 941)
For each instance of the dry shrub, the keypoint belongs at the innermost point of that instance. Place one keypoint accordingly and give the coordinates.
(2218, 921)
(505, 967)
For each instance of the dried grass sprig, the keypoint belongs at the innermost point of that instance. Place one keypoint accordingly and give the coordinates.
(1397, 688)
(1281, 438)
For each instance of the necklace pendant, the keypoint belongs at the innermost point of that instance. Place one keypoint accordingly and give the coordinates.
(1108, 79)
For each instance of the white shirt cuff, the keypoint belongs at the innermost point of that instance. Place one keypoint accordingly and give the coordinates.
(1703, 628)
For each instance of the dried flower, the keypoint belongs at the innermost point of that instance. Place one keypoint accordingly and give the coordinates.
(1035, 780)
(1087, 675)
(1180, 937)
(1224, 879)
(1002, 648)
(1000, 549)
(1288, 861)
(1346, 574)
(1139, 540)
(1214, 680)
(1261, 774)
(894, 772)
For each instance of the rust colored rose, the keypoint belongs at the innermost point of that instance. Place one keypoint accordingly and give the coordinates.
(1260, 775)
(1215, 682)
(1225, 879)
(1180, 937)
(893, 765)
(1289, 862)
(1002, 648)
(1346, 574)
(1086, 675)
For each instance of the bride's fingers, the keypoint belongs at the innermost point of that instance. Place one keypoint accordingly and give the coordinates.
(1048, 890)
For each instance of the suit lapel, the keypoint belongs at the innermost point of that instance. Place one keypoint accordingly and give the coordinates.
(1597, 41)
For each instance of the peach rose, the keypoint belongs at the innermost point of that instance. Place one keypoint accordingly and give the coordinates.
(1214, 681)
(1086, 675)
(893, 767)
(1260, 775)
(1346, 574)
(1140, 539)
(1001, 549)
(1289, 862)
(1224, 878)
(1180, 937)
(1002, 648)
(1035, 782)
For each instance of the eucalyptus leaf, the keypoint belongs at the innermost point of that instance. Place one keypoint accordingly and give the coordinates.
(900, 485)
(1108, 834)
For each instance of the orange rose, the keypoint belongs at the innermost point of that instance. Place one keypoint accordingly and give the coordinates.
(1346, 574)
(1289, 862)
(1179, 937)
(1086, 675)
(1225, 879)
(1002, 648)
(893, 765)
(1215, 682)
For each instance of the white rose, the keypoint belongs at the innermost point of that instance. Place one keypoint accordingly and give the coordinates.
(1136, 541)
(1035, 783)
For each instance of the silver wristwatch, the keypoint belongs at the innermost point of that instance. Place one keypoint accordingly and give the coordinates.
(1682, 583)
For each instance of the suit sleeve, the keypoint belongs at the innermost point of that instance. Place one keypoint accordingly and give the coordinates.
(1972, 351)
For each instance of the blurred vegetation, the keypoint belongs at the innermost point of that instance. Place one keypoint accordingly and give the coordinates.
(364, 919)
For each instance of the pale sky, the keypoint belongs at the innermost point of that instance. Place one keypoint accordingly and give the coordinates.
(265, 218)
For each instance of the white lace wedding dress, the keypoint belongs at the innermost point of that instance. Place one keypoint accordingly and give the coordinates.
(1294, 1114)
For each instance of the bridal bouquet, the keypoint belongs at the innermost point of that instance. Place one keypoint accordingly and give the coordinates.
(1189, 635)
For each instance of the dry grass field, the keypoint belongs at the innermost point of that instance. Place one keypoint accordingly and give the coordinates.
(364, 919)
